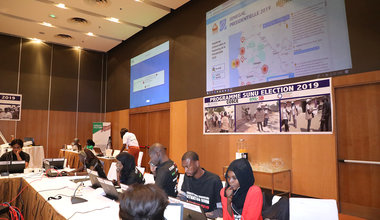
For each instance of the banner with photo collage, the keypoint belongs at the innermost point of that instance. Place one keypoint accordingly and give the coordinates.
(293, 108)
(10, 107)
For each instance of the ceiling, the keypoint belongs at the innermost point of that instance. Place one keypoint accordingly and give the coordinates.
(44, 20)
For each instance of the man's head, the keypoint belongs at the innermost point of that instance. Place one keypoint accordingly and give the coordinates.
(76, 141)
(17, 145)
(144, 202)
(157, 154)
(123, 131)
(190, 161)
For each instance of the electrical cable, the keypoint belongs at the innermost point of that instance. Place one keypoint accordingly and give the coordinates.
(87, 211)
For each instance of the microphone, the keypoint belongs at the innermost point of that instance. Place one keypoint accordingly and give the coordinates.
(74, 199)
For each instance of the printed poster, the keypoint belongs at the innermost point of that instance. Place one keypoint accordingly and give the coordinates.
(10, 107)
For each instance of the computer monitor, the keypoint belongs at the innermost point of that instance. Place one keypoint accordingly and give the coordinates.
(56, 163)
(7, 167)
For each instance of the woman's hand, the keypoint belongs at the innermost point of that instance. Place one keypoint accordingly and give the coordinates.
(229, 192)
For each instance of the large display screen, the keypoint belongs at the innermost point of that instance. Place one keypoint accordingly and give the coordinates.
(256, 41)
(150, 77)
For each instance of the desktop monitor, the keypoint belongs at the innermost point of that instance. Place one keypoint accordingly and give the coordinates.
(7, 167)
(56, 163)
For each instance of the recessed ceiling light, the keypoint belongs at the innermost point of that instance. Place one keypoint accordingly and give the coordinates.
(35, 40)
(61, 5)
(113, 19)
(77, 47)
(90, 34)
(138, 0)
(46, 24)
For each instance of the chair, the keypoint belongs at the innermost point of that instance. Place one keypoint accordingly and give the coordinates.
(149, 178)
(115, 153)
(180, 181)
(313, 209)
(278, 210)
(139, 160)
(112, 174)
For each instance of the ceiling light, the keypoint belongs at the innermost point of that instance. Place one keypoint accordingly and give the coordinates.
(90, 34)
(77, 47)
(52, 16)
(138, 0)
(46, 24)
(113, 19)
(61, 5)
(35, 40)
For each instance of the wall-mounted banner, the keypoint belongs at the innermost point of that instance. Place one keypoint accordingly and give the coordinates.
(10, 107)
(284, 109)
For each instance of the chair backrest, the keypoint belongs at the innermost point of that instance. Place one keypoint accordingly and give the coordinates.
(139, 159)
(115, 153)
(180, 181)
(108, 152)
(149, 178)
(141, 169)
(112, 174)
(313, 209)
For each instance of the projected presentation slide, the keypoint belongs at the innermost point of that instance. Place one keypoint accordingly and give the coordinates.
(150, 77)
(255, 41)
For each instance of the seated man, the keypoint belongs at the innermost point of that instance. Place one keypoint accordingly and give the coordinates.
(201, 186)
(166, 171)
(16, 153)
(143, 202)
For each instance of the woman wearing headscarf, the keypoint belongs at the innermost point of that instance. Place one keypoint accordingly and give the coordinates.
(240, 198)
(126, 170)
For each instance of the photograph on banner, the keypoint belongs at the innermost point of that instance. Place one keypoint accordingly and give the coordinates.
(306, 114)
(219, 119)
(10, 107)
(258, 117)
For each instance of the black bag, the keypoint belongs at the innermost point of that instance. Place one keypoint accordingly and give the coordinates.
(279, 211)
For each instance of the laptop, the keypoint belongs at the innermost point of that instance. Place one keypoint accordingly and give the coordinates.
(174, 211)
(190, 211)
(110, 189)
(94, 179)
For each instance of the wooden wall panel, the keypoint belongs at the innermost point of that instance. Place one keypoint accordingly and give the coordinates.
(178, 132)
(34, 124)
(159, 128)
(314, 166)
(118, 119)
(138, 124)
(85, 120)
(61, 131)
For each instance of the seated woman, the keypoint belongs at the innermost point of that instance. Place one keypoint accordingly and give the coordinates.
(90, 144)
(16, 153)
(143, 202)
(240, 198)
(89, 161)
(126, 170)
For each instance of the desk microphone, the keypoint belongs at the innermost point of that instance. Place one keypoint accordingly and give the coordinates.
(74, 199)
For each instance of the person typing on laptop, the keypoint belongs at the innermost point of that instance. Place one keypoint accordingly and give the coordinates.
(200, 186)
(89, 161)
(16, 154)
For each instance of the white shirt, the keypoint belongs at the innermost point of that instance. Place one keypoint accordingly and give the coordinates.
(130, 139)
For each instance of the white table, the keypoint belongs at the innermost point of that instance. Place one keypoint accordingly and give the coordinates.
(36, 154)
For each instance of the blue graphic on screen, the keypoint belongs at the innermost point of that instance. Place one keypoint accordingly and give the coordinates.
(150, 78)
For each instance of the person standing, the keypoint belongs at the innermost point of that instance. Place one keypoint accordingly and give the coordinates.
(166, 171)
(308, 114)
(200, 186)
(225, 123)
(326, 113)
(130, 143)
(285, 117)
(259, 116)
(294, 112)
(266, 115)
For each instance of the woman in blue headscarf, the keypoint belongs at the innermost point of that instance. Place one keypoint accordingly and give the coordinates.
(240, 198)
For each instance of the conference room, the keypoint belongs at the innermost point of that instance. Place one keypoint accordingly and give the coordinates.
(292, 86)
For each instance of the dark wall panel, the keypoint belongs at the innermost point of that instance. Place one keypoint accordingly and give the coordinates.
(90, 82)
(9, 56)
(186, 30)
(35, 75)
(64, 79)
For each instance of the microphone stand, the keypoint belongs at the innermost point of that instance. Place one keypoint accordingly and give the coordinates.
(74, 199)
